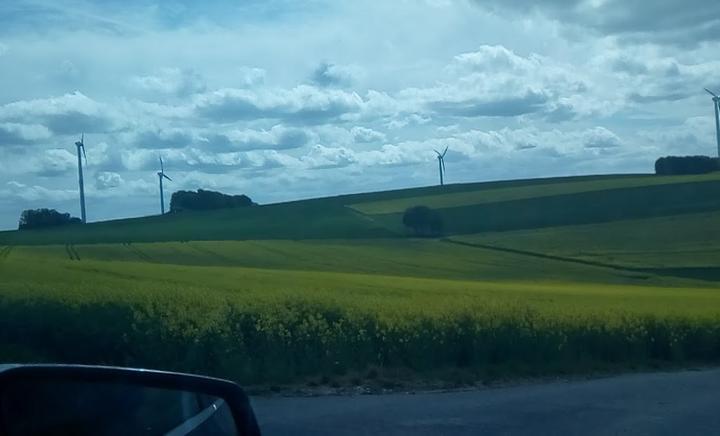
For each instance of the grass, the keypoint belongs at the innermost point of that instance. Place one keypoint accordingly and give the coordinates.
(550, 275)
(300, 220)
(514, 204)
(599, 206)
(541, 188)
(279, 325)
(391, 257)
(685, 245)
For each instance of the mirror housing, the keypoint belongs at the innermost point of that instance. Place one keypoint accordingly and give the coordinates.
(27, 391)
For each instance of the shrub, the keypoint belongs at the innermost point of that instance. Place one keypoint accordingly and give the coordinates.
(206, 200)
(675, 165)
(423, 221)
(41, 218)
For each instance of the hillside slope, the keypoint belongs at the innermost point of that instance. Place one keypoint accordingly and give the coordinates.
(466, 208)
(542, 276)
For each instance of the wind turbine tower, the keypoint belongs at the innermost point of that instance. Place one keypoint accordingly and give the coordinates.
(161, 175)
(716, 104)
(81, 146)
(441, 165)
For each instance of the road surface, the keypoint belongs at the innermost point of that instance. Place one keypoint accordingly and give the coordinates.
(680, 403)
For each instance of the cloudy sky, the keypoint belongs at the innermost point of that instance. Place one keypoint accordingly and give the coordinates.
(282, 99)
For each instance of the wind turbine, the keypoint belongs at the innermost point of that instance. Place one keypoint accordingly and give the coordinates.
(161, 175)
(716, 104)
(81, 146)
(441, 164)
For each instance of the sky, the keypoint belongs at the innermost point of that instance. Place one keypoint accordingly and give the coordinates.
(284, 100)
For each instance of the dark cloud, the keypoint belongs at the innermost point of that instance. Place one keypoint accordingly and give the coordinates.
(11, 137)
(647, 77)
(55, 163)
(327, 74)
(303, 104)
(164, 138)
(20, 134)
(277, 138)
(669, 22)
(561, 112)
(73, 123)
(626, 64)
(645, 98)
(292, 138)
(35, 193)
(531, 102)
(70, 114)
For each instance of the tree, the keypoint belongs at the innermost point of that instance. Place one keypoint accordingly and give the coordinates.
(206, 200)
(42, 218)
(673, 165)
(423, 221)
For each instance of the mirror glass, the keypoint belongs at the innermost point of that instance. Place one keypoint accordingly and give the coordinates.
(61, 407)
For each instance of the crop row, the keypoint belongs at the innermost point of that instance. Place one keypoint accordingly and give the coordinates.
(297, 338)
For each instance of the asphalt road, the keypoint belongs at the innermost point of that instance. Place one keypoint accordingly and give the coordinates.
(680, 403)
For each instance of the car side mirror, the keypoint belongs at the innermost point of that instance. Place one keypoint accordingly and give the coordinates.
(96, 400)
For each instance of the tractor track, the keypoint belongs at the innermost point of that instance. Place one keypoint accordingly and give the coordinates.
(708, 274)
(72, 252)
(5, 252)
(547, 256)
(212, 254)
(138, 252)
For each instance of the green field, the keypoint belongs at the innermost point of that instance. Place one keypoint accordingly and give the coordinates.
(571, 200)
(540, 189)
(533, 276)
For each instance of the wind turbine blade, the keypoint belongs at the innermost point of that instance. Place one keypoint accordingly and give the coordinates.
(438, 153)
(162, 168)
(164, 175)
(443, 153)
(711, 93)
(84, 155)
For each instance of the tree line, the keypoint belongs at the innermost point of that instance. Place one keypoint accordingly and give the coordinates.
(180, 201)
(421, 220)
(206, 200)
(41, 218)
(677, 165)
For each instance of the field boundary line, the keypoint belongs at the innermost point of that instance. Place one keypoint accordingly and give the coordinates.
(138, 252)
(5, 252)
(71, 253)
(260, 245)
(212, 254)
(545, 256)
(73, 250)
(367, 217)
(589, 189)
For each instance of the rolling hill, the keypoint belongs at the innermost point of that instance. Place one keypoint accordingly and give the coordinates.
(531, 276)
(466, 209)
